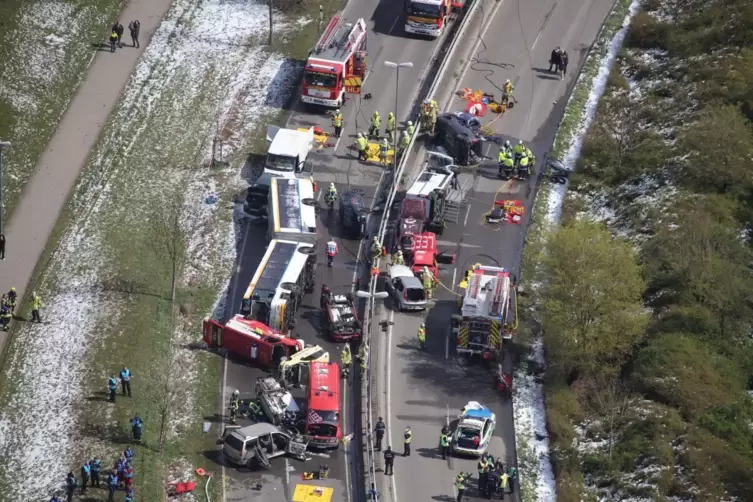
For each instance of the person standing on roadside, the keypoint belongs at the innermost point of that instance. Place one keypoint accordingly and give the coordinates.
(554, 59)
(2, 246)
(36, 304)
(125, 380)
(117, 28)
(135, 27)
(564, 59)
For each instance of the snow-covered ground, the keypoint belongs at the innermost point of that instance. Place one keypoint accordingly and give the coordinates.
(203, 75)
(528, 405)
(45, 47)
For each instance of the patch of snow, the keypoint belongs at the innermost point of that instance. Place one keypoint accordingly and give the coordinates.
(557, 193)
(49, 370)
(530, 422)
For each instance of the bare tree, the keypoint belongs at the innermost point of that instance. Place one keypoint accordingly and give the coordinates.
(620, 125)
(170, 240)
(611, 399)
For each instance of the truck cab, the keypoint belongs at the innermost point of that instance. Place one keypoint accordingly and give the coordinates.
(287, 157)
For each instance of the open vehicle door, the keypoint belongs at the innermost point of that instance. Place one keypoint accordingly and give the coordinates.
(446, 257)
(260, 458)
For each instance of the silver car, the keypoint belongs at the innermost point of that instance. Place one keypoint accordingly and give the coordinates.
(405, 289)
(255, 445)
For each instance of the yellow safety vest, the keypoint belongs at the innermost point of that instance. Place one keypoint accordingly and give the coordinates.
(337, 120)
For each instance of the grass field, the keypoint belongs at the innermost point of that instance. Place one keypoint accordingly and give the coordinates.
(140, 257)
(45, 49)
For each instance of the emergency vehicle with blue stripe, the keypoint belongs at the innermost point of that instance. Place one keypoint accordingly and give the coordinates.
(488, 312)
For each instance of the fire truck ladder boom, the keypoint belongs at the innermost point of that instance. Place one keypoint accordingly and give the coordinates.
(335, 40)
(496, 303)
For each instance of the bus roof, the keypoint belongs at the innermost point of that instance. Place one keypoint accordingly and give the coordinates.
(281, 263)
(428, 181)
(289, 214)
(324, 386)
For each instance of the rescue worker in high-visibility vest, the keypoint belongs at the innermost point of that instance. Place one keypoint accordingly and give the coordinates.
(113, 41)
(384, 151)
(337, 122)
(503, 480)
(531, 159)
(421, 335)
(428, 281)
(376, 124)
(112, 387)
(483, 472)
(460, 487)
(376, 249)
(404, 142)
(397, 258)
(524, 169)
(346, 359)
(235, 404)
(332, 250)
(507, 147)
(506, 164)
(391, 127)
(331, 196)
(507, 90)
(519, 149)
(36, 304)
(407, 437)
(5, 316)
(360, 145)
(444, 444)
(363, 356)
(409, 128)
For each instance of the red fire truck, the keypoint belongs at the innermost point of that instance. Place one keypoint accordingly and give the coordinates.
(337, 64)
(323, 408)
(252, 340)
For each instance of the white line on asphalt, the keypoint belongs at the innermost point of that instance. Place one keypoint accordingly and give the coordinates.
(467, 212)
(287, 473)
(537, 39)
(319, 195)
(337, 143)
(346, 446)
(393, 24)
(454, 276)
(447, 422)
(447, 345)
(224, 380)
(390, 322)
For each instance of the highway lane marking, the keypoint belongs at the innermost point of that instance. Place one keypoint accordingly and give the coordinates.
(393, 25)
(467, 212)
(222, 409)
(346, 447)
(287, 473)
(454, 276)
(390, 323)
(447, 345)
(337, 143)
(319, 195)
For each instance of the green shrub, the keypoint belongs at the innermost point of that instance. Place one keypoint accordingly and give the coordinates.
(718, 470)
(646, 32)
(684, 372)
(732, 423)
(563, 410)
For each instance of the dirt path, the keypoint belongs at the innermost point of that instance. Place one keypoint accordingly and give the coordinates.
(57, 170)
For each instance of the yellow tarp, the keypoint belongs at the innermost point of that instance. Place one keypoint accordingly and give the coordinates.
(309, 493)
(319, 138)
(372, 153)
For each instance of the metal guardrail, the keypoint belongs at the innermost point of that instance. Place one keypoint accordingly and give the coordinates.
(369, 457)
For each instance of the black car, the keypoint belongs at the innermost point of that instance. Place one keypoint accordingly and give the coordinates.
(460, 142)
(257, 197)
(353, 213)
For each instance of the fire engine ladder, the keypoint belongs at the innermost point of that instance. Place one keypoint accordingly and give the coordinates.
(332, 28)
(495, 310)
(455, 203)
(473, 288)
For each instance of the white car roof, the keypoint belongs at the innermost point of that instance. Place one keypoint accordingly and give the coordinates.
(472, 423)
(400, 271)
(289, 142)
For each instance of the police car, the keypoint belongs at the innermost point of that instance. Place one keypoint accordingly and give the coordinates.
(474, 431)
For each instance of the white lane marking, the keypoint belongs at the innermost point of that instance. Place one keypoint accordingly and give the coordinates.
(347, 445)
(467, 212)
(390, 320)
(337, 143)
(447, 422)
(287, 473)
(319, 195)
(537, 39)
(454, 276)
(489, 20)
(447, 345)
(393, 25)
(224, 381)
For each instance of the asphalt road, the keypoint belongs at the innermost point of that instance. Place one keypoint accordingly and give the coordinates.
(386, 41)
(425, 390)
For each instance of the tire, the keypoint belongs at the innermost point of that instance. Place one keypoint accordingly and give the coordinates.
(349, 296)
(309, 250)
(308, 202)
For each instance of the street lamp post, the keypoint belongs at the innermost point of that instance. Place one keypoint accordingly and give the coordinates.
(3, 146)
(396, 67)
